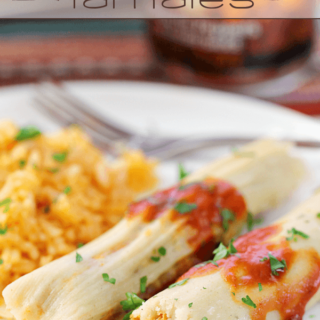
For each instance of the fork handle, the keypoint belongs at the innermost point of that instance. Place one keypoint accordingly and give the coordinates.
(185, 146)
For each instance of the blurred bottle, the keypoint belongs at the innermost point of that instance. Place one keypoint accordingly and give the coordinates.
(226, 53)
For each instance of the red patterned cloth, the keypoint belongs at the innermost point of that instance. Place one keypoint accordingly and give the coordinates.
(109, 57)
(82, 57)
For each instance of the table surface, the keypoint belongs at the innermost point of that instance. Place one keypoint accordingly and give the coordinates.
(100, 49)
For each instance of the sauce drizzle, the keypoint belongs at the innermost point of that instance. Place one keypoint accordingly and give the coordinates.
(210, 197)
(288, 293)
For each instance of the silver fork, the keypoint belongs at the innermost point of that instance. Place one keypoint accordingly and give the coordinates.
(106, 134)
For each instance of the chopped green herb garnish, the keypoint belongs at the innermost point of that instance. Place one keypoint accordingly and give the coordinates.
(182, 172)
(260, 286)
(67, 190)
(80, 245)
(22, 163)
(204, 318)
(1, 261)
(227, 216)
(176, 299)
(46, 209)
(221, 252)
(318, 215)
(251, 221)
(155, 259)
(35, 167)
(143, 284)
(284, 263)
(233, 293)
(132, 303)
(205, 263)
(5, 202)
(276, 264)
(53, 170)
(294, 232)
(184, 207)
(4, 230)
(127, 316)
(78, 258)
(204, 288)
(312, 316)
(27, 133)
(162, 251)
(180, 283)
(247, 300)
(264, 259)
(60, 157)
(106, 278)
(190, 304)
(232, 249)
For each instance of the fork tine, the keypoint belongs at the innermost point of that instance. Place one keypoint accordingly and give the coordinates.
(44, 103)
(84, 113)
(59, 105)
(46, 107)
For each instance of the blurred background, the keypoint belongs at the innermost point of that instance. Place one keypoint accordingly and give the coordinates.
(277, 60)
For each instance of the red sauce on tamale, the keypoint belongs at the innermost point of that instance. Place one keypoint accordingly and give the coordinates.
(248, 268)
(208, 199)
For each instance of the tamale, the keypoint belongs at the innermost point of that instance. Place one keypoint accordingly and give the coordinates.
(185, 223)
(273, 274)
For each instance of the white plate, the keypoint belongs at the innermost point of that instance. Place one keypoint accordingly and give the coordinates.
(179, 111)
